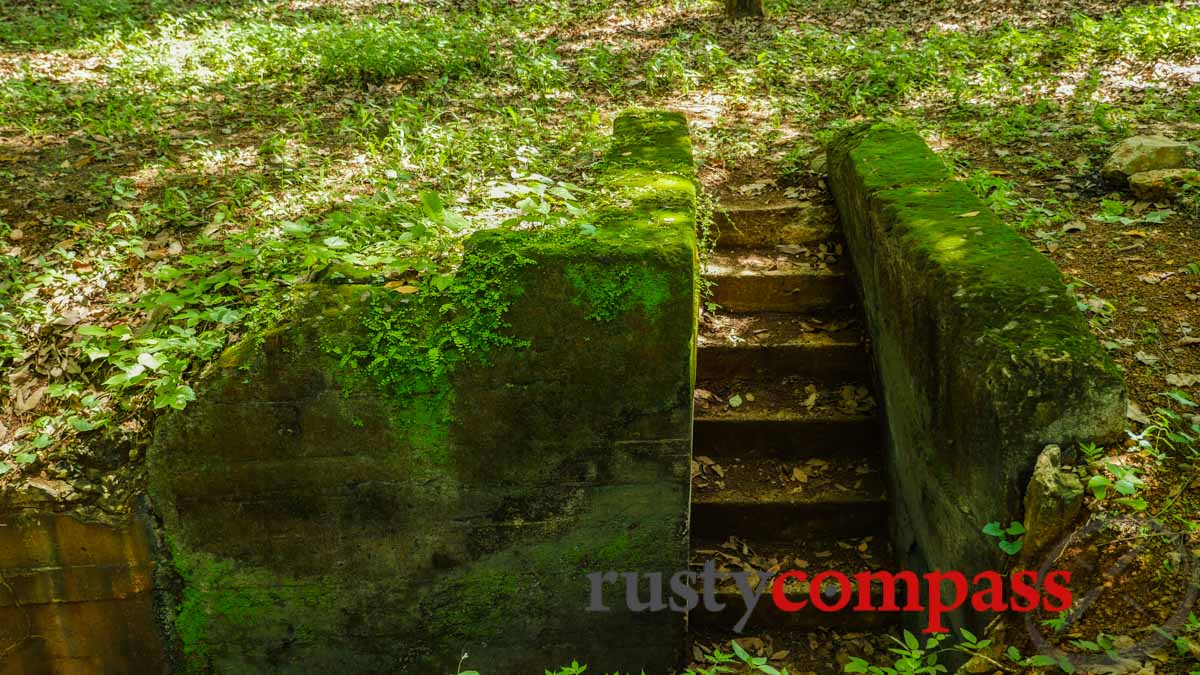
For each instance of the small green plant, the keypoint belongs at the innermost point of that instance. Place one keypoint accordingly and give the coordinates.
(720, 662)
(1091, 452)
(1103, 644)
(1171, 430)
(913, 658)
(1058, 622)
(574, 669)
(1124, 481)
(1010, 537)
(460, 671)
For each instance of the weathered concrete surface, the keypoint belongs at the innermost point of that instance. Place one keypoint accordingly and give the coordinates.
(983, 357)
(382, 482)
(76, 598)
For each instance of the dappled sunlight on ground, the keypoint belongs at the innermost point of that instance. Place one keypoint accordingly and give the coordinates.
(170, 170)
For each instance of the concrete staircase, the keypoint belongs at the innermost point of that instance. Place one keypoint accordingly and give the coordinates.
(787, 470)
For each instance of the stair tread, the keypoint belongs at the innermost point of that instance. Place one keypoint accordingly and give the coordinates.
(763, 203)
(777, 261)
(777, 329)
(732, 480)
(789, 398)
(847, 555)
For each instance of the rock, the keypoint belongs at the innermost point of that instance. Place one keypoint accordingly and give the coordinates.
(1142, 153)
(1052, 501)
(1162, 184)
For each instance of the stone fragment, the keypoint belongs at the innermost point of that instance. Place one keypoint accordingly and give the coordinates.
(1052, 501)
(1143, 153)
(1162, 184)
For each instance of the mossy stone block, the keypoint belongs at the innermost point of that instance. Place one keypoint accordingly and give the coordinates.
(983, 357)
(380, 481)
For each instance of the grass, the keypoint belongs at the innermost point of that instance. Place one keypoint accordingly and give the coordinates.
(200, 159)
(172, 168)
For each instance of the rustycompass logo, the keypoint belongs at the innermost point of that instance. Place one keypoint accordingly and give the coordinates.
(934, 593)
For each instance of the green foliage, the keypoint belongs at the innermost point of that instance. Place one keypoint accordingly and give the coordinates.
(1124, 481)
(412, 343)
(1171, 430)
(375, 51)
(1091, 452)
(721, 662)
(912, 658)
(1015, 530)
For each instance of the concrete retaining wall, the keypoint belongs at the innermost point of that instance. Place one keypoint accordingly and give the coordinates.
(982, 355)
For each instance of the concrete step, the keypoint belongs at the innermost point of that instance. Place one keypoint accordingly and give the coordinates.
(772, 280)
(775, 221)
(748, 344)
(848, 556)
(771, 499)
(791, 417)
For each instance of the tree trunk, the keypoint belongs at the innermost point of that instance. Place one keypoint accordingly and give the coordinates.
(739, 8)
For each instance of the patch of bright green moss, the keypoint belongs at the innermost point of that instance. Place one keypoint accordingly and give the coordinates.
(228, 602)
(1007, 293)
(606, 293)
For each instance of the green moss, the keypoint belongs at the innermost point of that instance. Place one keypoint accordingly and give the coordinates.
(1007, 293)
(605, 292)
(228, 602)
(469, 442)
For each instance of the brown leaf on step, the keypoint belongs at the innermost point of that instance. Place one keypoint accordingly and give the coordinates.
(1134, 412)
(54, 488)
(811, 400)
(780, 655)
(1146, 358)
(751, 644)
(718, 470)
(798, 474)
(29, 397)
(705, 460)
(1183, 379)
(702, 395)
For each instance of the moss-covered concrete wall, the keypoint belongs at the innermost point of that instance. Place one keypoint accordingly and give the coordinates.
(382, 482)
(982, 355)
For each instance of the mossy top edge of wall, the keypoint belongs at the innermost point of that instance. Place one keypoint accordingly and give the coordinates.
(644, 208)
(1012, 296)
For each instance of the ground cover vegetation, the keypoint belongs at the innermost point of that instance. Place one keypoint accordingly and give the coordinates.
(169, 170)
